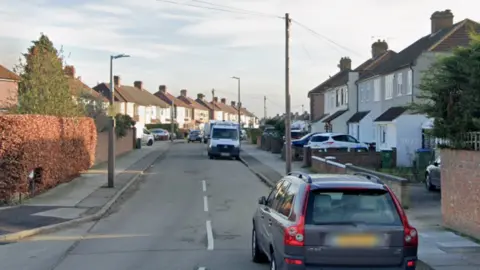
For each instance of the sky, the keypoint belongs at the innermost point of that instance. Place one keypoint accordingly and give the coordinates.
(200, 48)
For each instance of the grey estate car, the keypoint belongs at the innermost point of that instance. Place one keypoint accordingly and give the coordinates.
(327, 222)
(433, 175)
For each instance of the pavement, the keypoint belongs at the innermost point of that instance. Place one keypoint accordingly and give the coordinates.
(83, 196)
(185, 212)
(439, 249)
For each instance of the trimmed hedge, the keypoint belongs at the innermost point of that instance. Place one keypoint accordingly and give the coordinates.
(253, 133)
(55, 149)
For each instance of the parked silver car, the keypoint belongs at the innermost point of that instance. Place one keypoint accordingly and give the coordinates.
(433, 175)
(331, 221)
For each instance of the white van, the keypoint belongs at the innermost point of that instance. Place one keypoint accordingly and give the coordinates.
(224, 140)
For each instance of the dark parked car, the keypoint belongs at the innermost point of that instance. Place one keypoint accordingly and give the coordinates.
(194, 136)
(331, 221)
(433, 175)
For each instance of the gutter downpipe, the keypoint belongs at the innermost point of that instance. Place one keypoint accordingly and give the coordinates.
(413, 76)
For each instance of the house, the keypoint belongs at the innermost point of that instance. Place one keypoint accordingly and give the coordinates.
(200, 113)
(385, 92)
(214, 111)
(135, 101)
(182, 112)
(339, 92)
(78, 88)
(228, 113)
(248, 119)
(8, 88)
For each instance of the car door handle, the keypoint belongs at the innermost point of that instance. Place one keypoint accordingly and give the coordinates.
(262, 216)
(269, 222)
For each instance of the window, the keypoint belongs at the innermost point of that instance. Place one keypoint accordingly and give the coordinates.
(409, 82)
(389, 86)
(319, 139)
(225, 133)
(362, 98)
(376, 89)
(399, 84)
(279, 196)
(344, 138)
(352, 206)
(273, 193)
(342, 97)
(346, 95)
(285, 207)
(337, 98)
(383, 133)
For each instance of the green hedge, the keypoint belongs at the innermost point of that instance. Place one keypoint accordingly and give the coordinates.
(253, 133)
(163, 126)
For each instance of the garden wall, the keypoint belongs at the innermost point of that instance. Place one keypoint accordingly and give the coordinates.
(122, 145)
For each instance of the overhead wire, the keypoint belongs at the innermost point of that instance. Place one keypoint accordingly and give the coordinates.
(239, 9)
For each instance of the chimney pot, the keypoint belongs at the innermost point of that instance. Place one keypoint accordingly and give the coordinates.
(379, 47)
(162, 88)
(116, 81)
(69, 71)
(215, 99)
(233, 104)
(223, 100)
(138, 84)
(441, 20)
(200, 96)
(345, 63)
(183, 92)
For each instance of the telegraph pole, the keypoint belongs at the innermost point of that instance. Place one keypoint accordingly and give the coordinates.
(213, 102)
(172, 112)
(265, 107)
(303, 109)
(288, 136)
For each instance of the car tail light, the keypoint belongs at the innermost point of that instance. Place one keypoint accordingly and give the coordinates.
(294, 235)
(293, 261)
(328, 142)
(410, 234)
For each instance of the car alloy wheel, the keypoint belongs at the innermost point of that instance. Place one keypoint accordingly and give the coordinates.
(273, 264)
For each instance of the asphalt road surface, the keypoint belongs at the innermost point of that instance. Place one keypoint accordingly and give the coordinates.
(186, 213)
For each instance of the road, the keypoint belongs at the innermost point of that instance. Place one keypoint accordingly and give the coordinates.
(187, 212)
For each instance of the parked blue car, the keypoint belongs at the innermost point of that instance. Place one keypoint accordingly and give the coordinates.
(304, 140)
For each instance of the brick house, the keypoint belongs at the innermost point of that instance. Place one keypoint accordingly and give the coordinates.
(183, 112)
(200, 112)
(8, 88)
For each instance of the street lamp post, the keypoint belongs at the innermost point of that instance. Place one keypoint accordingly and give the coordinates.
(111, 130)
(238, 102)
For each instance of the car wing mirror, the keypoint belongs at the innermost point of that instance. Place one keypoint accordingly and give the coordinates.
(435, 164)
(262, 200)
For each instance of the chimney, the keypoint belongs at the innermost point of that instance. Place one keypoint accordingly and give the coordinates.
(215, 99)
(378, 48)
(138, 84)
(441, 20)
(345, 63)
(69, 71)
(116, 81)
(183, 93)
(162, 88)
(200, 96)
(223, 100)
(233, 104)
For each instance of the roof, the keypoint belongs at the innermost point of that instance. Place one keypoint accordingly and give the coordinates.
(125, 93)
(320, 117)
(247, 112)
(193, 103)
(77, 87)
(390, 114)
(334, 115)
(7, 74)
(225, 108)
(441, 41)
(168, 98)
(357, 117)
(205, 103)
(104, 89)
(340, 78)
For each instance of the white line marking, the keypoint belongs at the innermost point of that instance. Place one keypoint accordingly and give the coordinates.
(204, 185)
(209, 235)
(205, 203)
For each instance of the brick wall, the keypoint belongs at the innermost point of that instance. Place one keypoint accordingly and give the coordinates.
(398, 185)
(317, 105)
(123, 145)
(461, 190)
(370, 159)
(8, 93)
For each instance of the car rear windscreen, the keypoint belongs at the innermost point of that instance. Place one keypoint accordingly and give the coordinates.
(351, 206)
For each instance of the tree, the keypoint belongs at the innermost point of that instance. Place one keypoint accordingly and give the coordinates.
(449, 93)
(43, 87)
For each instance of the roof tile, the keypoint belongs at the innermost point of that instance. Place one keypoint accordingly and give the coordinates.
(7, 74)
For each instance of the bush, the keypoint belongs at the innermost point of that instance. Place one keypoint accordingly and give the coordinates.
(162, 126)
(123, 123)
(56, 149)
(253, 133)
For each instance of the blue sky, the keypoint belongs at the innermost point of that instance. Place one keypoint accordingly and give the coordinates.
(200, 49)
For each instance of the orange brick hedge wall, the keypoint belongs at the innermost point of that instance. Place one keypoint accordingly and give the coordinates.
(56, 149)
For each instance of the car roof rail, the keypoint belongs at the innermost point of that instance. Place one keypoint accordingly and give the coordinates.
(370, 177)
(305, 177)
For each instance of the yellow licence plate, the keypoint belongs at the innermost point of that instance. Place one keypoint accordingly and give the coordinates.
(356, 241)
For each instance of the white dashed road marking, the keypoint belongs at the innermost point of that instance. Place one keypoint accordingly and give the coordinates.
(205, 203)
(209, 235)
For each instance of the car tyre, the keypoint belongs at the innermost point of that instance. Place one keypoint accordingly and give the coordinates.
(150, 143)
(210, 156)
(257, 255)
(273, 262)
(428, 183)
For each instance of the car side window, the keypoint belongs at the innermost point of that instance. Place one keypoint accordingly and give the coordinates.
(351, 139)
(273, 193)
(340, 138)
(288, 199)
(278, 200)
